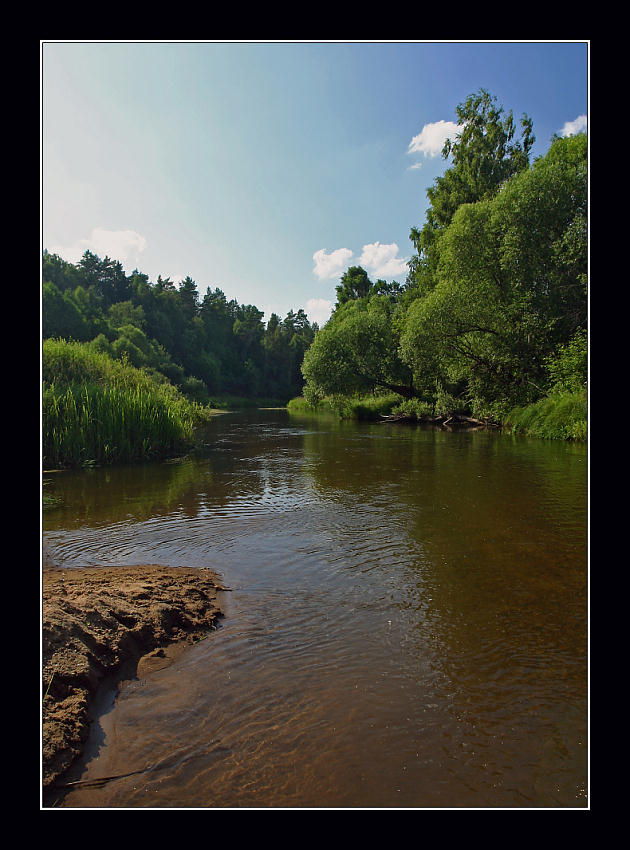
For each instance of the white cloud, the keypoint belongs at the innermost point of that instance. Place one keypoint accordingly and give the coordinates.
(382, 261)
(318, 310)
(573, 127)
(121, 245)
(331, 265)
(431, 138)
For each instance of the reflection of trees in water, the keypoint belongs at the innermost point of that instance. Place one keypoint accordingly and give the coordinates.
(492, 592)
(481, 488)
(110, 495)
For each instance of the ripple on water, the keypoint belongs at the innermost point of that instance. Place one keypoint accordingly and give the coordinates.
(406, 625)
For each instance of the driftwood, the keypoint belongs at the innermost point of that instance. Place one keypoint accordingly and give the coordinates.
(444, 420)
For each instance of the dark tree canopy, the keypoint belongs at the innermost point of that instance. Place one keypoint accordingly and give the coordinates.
(204, 346)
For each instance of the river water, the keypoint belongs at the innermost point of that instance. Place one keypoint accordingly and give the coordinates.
(407, 624)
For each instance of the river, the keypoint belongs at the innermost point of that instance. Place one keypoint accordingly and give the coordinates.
(406, 625)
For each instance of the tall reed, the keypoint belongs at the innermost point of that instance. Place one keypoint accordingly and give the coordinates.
(97, 410)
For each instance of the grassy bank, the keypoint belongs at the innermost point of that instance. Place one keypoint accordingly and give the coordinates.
(365, 407)
(560, 416)
(96, 410)
(233, 402)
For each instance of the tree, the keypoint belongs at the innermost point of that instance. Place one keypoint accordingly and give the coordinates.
(354, 283)
(356, 351)
(189, 297)
(106, 276)
(510, 285)
(56, 270)
(485, 154)
(61, 315)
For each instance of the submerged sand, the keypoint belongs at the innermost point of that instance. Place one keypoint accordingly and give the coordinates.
(96, 619)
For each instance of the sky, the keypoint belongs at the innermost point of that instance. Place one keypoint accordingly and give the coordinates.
(266, 169)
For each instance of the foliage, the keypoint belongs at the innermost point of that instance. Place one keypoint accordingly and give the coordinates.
(560, 416)
(485, 155)
(508, 291)
(357, 351)
(360, 407)
(493, 313)
(167, 329)
(568, 366)
(414, 408)
(99, 410)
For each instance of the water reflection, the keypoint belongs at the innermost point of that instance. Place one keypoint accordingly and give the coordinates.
(407, 625)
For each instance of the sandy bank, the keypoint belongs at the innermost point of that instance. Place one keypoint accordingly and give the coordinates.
(93, 621)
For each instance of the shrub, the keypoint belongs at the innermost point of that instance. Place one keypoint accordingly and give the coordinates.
(413, 407)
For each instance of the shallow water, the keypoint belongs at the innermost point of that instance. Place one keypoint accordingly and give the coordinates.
(406, 626)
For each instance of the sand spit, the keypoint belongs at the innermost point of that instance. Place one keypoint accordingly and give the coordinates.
(96, 619)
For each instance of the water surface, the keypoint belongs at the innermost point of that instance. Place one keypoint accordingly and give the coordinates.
(406, 626)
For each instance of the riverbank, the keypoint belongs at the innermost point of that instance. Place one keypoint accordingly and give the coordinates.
(94, 621)
(562, 415)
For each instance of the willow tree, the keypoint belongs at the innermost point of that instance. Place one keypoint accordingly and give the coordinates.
(510, 285)
(357, 352)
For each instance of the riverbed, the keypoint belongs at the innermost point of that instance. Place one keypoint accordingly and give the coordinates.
(406, 627)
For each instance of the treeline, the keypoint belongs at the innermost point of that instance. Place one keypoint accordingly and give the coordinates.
(205, 347)
(493, 313)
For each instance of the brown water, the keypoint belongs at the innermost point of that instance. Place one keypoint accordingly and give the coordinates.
(407, 625)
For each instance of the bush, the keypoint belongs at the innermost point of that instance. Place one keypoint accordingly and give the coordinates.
(196, 390)
(414, 407)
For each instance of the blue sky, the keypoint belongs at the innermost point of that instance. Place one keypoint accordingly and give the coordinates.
(267, 168)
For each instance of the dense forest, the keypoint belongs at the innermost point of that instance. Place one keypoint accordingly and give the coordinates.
(490, 323)
(493, 314)
(207, 348)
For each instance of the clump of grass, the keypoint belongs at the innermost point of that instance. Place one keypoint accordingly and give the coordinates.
(559, 416)
(97, 410)
(234, 402)
(365, 407)
(414, 408)
(302, 406)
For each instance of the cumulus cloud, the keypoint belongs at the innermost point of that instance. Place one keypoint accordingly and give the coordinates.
(331, 265)
(430, 140)
(318, 310)
(573, 127)
(382, 261)
(121, 245)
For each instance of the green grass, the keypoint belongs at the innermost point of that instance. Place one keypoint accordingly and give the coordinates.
(96, 410)
(560, 416)
(365, 407)
(234, 402)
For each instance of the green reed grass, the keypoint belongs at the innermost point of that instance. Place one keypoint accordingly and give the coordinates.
(96, 410)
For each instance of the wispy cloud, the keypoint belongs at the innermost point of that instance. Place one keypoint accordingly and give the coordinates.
(328, 266)
(571, 128)
(121, 245)
(430, 140)
(382, 261)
